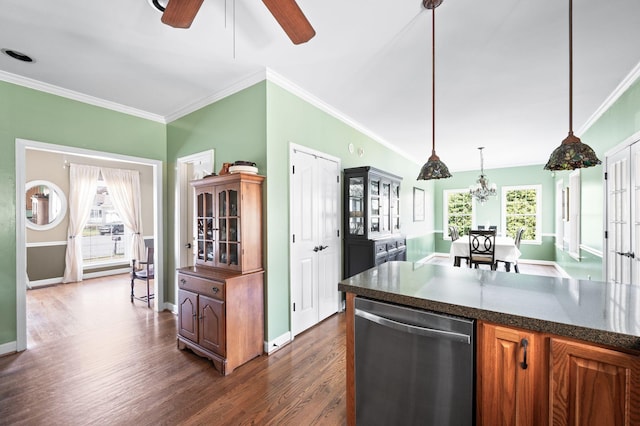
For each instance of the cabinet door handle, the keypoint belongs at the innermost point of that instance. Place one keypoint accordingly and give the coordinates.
(215, 290)
(525, 344)
(183, 281)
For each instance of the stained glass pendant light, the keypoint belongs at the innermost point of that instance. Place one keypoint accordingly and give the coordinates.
(433, 168)
(572, 153)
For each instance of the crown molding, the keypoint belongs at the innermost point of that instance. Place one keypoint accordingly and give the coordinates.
(215, 97)
(77, 96)
(278, 79)
(624, 85)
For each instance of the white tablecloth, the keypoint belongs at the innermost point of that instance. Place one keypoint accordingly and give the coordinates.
(506, 249)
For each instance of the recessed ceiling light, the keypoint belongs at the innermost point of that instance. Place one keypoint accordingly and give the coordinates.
(17, 55)
(160, 5)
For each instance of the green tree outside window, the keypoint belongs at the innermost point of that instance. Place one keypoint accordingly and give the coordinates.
(521, 209)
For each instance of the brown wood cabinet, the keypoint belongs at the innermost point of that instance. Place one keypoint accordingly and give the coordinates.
(221, 315)
(591, 385)
(510, 381)
(566, 382)
(221, 298)
(229, 222)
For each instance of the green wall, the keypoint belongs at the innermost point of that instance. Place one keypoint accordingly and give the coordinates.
(490, 212)
(257, 124)
(620, 122)
(38, 116)
(291, 119)
(235, 127)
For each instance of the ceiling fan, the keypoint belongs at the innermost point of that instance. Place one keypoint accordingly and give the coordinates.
(181, 13)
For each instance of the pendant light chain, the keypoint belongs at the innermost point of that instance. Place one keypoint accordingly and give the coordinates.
(572, 153)
(571, 66)
(433, 80)
(434, 168)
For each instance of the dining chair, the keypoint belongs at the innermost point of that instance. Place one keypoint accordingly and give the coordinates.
(494, 227)
(453, 232)
(516, 241)
(143, 272)
(482, 248)
(480, 226)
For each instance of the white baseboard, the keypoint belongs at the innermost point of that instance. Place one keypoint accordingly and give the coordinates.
(44, 283)
(8, 348)
(85, 276)
(277, 343)
(105, 273)
(170, 307)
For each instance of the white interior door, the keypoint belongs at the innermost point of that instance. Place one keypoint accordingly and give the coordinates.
(189, 168)
(618, 183)
(329, 237)
(315, 239)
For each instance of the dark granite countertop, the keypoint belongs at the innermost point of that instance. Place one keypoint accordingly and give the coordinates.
(593, 311)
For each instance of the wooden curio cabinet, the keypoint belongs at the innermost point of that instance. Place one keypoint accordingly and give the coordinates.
(229, 221)
(220, 299)
(371, 219)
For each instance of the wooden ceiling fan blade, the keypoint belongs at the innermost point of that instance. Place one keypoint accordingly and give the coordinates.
(291, 19)
(181, 13)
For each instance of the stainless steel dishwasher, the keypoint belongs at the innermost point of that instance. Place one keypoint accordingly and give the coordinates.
(412, 367)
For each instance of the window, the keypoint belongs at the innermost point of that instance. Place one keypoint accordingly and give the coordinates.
(521, 207)
(104, 238)
(458, 211)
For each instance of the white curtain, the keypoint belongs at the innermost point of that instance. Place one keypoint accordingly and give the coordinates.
(83, 181)
(124, 190)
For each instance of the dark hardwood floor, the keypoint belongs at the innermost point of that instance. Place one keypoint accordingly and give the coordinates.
(94, 358)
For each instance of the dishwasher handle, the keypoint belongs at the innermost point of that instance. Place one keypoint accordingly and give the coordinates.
(412, 329)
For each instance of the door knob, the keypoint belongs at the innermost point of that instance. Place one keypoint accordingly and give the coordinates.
(188, 245)
(323, 247)
(316, 249)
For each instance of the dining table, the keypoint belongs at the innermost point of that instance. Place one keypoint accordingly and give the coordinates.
(506, 250)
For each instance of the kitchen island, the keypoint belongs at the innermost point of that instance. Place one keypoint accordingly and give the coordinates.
(560, 318)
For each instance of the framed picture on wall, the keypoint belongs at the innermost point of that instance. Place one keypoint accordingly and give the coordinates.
(418, 204)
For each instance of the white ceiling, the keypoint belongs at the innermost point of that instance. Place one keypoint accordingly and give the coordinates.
(501, 66)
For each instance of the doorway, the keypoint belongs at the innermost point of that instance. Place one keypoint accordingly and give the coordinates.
(315, 236)
(622, 217)
(190, 167)
(22, 146)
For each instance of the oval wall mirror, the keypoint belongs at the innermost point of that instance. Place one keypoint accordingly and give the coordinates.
(46, 205)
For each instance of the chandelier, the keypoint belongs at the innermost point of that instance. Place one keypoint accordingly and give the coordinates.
(482, 190)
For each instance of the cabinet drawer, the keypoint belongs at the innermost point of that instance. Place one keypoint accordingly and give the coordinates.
(199, 285)
(380, 248)
(392, 245)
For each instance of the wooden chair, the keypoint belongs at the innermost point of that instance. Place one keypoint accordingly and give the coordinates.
(517, 240)
(482, 248)
(146, 274)
(453, 232)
